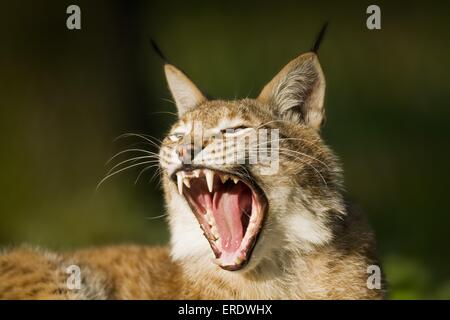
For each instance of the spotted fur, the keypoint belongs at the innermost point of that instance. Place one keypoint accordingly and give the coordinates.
(313, 245)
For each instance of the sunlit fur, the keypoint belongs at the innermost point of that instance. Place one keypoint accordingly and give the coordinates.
(306, 213)
(313, 243)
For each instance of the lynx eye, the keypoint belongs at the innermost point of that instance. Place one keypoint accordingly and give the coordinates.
(231, 131)
(175, 137)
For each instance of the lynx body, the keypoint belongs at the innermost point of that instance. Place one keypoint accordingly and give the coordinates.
(236, 233)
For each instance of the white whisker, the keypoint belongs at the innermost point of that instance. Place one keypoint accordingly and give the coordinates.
(146, 138)
(131, 160)
(120, 170)
(305, 155)
(144, 170)
(125, 151)
(310, 165)
(157, 217)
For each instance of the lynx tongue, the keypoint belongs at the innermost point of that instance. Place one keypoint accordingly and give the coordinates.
(229, 206)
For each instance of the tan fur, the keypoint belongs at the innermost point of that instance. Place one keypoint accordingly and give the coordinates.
(313, 243)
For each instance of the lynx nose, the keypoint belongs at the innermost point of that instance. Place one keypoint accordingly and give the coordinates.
(187, 152)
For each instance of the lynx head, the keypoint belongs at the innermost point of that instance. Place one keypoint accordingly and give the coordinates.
(249, 181)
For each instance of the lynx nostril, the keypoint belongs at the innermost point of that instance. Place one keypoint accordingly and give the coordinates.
(180, 151)
(187, 152)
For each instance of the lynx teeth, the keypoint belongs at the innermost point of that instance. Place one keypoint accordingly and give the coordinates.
(210, 218)
(187, 181)
(180, 182)
(185, 178)
(215, 232)
(209, 179)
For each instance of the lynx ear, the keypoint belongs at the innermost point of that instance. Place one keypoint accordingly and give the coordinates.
(297, 91)
(183, 90)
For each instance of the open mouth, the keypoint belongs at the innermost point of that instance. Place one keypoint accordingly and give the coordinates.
(230, 212)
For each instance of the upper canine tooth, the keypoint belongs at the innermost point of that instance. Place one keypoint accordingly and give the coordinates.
(224, 178)
(236, 180)
(209, 179)
(187, 182)
(180, 182)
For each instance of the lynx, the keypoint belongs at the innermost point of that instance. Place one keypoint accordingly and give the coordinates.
(237, 232)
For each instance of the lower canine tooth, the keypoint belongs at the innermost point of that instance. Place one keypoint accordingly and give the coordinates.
(209, 218)
(180, 183)
(215, 232)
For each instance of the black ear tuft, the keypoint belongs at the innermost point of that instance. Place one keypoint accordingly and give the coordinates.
(319, 38)
(158, 50)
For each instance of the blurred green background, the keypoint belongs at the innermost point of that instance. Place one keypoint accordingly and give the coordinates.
(66, 95)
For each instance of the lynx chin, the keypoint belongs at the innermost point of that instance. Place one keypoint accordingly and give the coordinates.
(236, 233)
